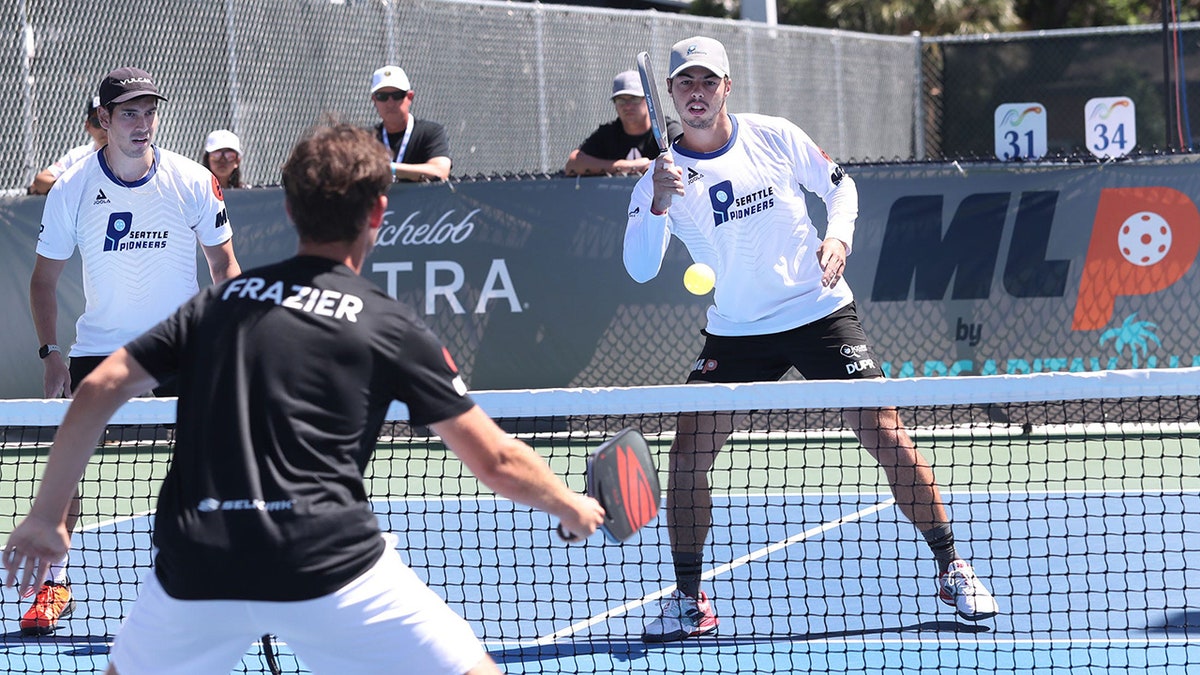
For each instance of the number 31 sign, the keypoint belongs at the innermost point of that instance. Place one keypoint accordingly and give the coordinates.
(1111, 126)
(1020, 131)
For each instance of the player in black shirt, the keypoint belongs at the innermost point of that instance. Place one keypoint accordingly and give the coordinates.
(285, 375)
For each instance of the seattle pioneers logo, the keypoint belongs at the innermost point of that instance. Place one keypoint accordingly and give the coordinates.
(727, 206)
(120, 236)
(118, 228)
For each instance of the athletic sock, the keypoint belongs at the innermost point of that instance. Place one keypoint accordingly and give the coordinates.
(58, 571)
(688, 567)
(941, 541)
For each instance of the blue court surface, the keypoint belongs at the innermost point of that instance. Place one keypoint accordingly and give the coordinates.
(1088, 581)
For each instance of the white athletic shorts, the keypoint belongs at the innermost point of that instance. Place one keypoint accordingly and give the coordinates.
(385, 621)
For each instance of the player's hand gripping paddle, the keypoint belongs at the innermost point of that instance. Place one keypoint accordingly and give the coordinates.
(621, 476)
(658, 118)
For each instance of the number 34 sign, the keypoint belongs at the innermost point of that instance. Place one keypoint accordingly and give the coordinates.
(1020, 131)
(1111, 126)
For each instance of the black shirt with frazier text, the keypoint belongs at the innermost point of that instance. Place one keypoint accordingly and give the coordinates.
(285, 375)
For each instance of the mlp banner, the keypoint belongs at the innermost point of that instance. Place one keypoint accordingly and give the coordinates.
(981, 270)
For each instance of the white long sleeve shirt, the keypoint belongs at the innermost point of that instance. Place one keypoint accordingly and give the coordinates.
(743, 213)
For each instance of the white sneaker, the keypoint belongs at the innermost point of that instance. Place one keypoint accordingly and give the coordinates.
(682, 617)
(961, 589)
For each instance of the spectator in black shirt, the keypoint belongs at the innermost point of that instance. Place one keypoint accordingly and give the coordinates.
(419, 149)
(624, 145)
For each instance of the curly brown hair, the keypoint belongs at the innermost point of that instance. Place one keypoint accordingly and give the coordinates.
(332, 180)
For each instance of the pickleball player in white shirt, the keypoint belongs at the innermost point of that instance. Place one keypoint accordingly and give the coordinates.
(135, 212)
(731, 191)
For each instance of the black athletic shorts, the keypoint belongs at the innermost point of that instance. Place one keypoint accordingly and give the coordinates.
(81, 366)
(832, 348)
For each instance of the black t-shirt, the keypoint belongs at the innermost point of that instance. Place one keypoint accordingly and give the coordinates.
(285, 375)
(428, 140)
(610, 141)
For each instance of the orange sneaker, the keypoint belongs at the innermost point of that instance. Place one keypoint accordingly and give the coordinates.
(52, 603)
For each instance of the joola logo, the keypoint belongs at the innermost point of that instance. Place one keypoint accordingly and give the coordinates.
(694, 175)
(101, 198)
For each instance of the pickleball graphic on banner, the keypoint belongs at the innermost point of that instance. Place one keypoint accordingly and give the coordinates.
(1020, 131)
(1143, 240)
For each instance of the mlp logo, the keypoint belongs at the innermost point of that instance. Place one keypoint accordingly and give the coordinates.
(1143, 240)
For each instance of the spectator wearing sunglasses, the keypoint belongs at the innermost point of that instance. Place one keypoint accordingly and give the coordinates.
(419, 149)
(626, 144)
(49, 175)
(223, 157)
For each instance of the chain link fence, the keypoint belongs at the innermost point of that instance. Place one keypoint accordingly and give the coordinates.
(966, 77)
(520, 85)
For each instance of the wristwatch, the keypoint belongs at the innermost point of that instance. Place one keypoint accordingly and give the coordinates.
(45, 350)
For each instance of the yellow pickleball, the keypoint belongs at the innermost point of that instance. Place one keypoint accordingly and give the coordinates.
(699, 278)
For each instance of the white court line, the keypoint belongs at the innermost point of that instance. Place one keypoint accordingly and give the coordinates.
(753, 555)
(114, 521)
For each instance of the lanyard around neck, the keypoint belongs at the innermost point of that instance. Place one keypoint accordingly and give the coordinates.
(403, 142)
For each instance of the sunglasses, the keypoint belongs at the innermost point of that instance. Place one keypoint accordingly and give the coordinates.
(382, 96)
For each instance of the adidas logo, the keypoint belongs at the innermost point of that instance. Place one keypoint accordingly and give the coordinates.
(694, 175)
(101, 198)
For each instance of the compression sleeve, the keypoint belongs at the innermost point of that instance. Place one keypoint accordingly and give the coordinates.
(646, 235)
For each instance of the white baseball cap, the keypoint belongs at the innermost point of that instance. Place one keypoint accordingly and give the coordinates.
(390, 76)
(699, 51)
(221, 139)
(628, 83)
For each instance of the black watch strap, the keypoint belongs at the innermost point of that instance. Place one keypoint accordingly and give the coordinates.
(45, 350)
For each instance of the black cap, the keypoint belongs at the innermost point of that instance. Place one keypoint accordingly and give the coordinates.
(124, 84)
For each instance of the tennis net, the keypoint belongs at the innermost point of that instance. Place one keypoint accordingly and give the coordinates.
(1075, 496)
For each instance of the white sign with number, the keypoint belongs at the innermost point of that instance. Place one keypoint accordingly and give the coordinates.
(1111, 126)
(1020, 131)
